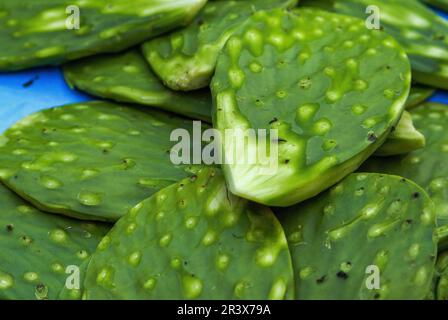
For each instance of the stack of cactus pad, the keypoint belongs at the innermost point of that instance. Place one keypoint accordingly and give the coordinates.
(356, 207)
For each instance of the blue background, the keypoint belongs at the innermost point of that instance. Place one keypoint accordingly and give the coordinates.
(49, 90)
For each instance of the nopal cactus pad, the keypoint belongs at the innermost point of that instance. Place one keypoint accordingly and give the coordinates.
(126, 77)
(369, 237)
(186, 59)
(91, 161)
(339, 89)
(426, 166)
(37, 249)
(403, 139)
(421, 32)
(193, 240)
(35, 33)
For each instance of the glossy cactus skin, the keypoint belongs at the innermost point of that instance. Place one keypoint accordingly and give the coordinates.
(193, 240)
(36, 248)
(427, 166)
(126, 77)
(418, 95)
(365, 220)
(91, 161)
(420, 31)
(403, 139)
(35, 33)
(331, 110)
(185, 59)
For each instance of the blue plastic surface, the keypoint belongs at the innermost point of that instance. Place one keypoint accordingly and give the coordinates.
(22, 93)
(25, 92)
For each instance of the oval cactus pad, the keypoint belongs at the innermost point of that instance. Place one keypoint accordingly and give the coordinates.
(426, 166)
(36, 33)
(186, 59)
(126, 77)
(369, 237)
(339, 89)
(37, 248)
(92, 161)
(193, 240)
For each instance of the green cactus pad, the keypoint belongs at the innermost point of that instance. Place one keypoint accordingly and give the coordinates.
(332, 100)
(36, 33)
(418, 95)
(193, 240)
(421, 32)
(91, 161)
(442, 4)
(126, 77)
(366, 220)
(403, 139)
(427, 166)
(37, 248)
(186, 59)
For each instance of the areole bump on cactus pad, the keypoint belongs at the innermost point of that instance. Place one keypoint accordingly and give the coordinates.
(193, 240)
(94, 160)
(333, 102)
(365, 223)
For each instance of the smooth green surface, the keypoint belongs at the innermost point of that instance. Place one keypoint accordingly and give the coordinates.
(427, 166)
(403, 139)
(37, 247)
(35, 33)
(333, 100)
(418, 95)
(421, 32)
(94, 160)
(126, 77)
(186, 59)
(365, 220)
(193, 240)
